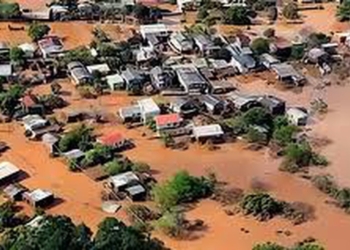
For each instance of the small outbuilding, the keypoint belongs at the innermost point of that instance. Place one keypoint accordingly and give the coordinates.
(212, 104)
(274, 105)
(122, 181)
(39, 198)
(212, 132)
(297, 116)
(136, 192)
(102, 68)
(115, 82)
(51, 142)
(287, 74)
(149, 109)
(8, 172)
(14, 192)
(130, 113)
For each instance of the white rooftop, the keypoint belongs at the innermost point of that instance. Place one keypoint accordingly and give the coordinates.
(153, 29)
(148, 105)
(7, 169)
(208, 130)
(103, 68)
(296, 112)
(123, 179)
(113, 79)
(39, 194)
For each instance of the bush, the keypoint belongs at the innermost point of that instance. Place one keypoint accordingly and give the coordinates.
(9, 10)
(343, 11)
(317, 39)
(98, 155)
(284, 135)
(261, 205)
(237, 15)
(257, 116)
(181, 188)
(171, 223)
(202, 13)
(297, 156)
(255, 136)
(325, 184)
(343, 198)
(140, 167)
(268, 246)
(37, 31)
(290, 11)
(260, 46)
(298, 52)
(116, 167)
(80, 137)
(17, 56)
(298, 212)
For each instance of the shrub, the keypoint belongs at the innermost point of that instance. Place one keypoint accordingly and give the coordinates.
(37, 31)
(171, 223)
(98, 155)
(255, 136)
(325, 184)
(116, 167)
(272, 13)
(317, 39)
(298, 52)
(343, 11)
(268, 246)
(9, 10)
(202, 13)
(140, 167)
(290, 11)
(298, 212)
(257, 116)
(284, 135)
(80, 137)
(297, 156)
(260, 46)
(261, 205)
(237, 15)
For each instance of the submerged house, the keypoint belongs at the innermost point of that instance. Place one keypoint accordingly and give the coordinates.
(204, 44)
(186, 107)
(169, 123)
(242, 102)
(8, 172)
(115, 140)
(160, 78)
(51, 46)
(287, 74)
(130, 114)
(241, 58)
(79, 73)
(149, 109)
(212, 104)
(208, 132)
(191, 80)
(274, 105)
(133, 79)
(181, 42)
(115, 82)
(39, 198)
(297, 116)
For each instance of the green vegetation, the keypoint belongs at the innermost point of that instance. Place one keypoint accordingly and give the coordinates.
(99, 154)
(237, 15)
(343, 11)
(298, 52)
(290, 11)
(116, 167)
(260, 46)
(59, 233)
(37, 31)
(171, 223)
(299, 155)
(80, 54)
(298, 246)
(10, 99)
(261, 205)
(80, 137)
(327, 185)
(181, 188)
(254, 135)
(9, 10)
(317, 39)
(17, 56)
(284, 135)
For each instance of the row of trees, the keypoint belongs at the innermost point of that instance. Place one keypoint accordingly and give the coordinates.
(59, 232)
(299, 246)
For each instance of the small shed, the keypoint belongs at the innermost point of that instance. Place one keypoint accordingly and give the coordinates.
(268, 60)
(115, 82)
(184, 106)
(51, 142)
(242, 102)
(213, 131)
(8, 172)
(149, 109)
(102, 68)
(212, 104)
(287, 73)
(75, 154)
(14, 192)
(297, 116)
(39, 198)
(6, 70)
(122, 181)
(221, 87)
(273, 104)
(130, 114)
(136, 192)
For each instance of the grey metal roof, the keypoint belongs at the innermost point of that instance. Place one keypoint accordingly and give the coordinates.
(269, 59)
(190, 75)
(130, 111)
(285, 70)
(209, 99)
(74, 154)
(49, 139)
(270, 101)
(12, 190)
(130, 74)
(78, 70)
(245, 59)
(38, 195)
(135, 190)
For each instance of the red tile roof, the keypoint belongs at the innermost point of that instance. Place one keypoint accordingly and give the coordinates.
(162, 120)
(111, 139)
(29, 100)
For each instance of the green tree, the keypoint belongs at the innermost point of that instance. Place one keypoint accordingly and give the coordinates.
(285, 134)
(116, 167)
(343, 11)
(237, 15)
(100, 154)
(255, 136)
(202, 13)
(272, 13)
(260, 46)
(165, 196)
(17, 56)
(9, 100)
(9, 10)
(268, 246)
(80, 54)
(257, 116)
(171, 223)
(297, 155)
(298, 52)
(317, 39)
(37, 31)
(290, 11)
(80, 137)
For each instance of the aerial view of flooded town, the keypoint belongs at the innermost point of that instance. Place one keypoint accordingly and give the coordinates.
(174, 125)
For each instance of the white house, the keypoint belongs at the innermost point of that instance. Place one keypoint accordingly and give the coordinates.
(297, 116)
(149, 109)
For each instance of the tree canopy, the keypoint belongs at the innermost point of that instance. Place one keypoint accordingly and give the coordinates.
(237, 15)
(343, 11)
(290, 11)
(80, 137)
(9, 10)
(260, 45)
(37, 31)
